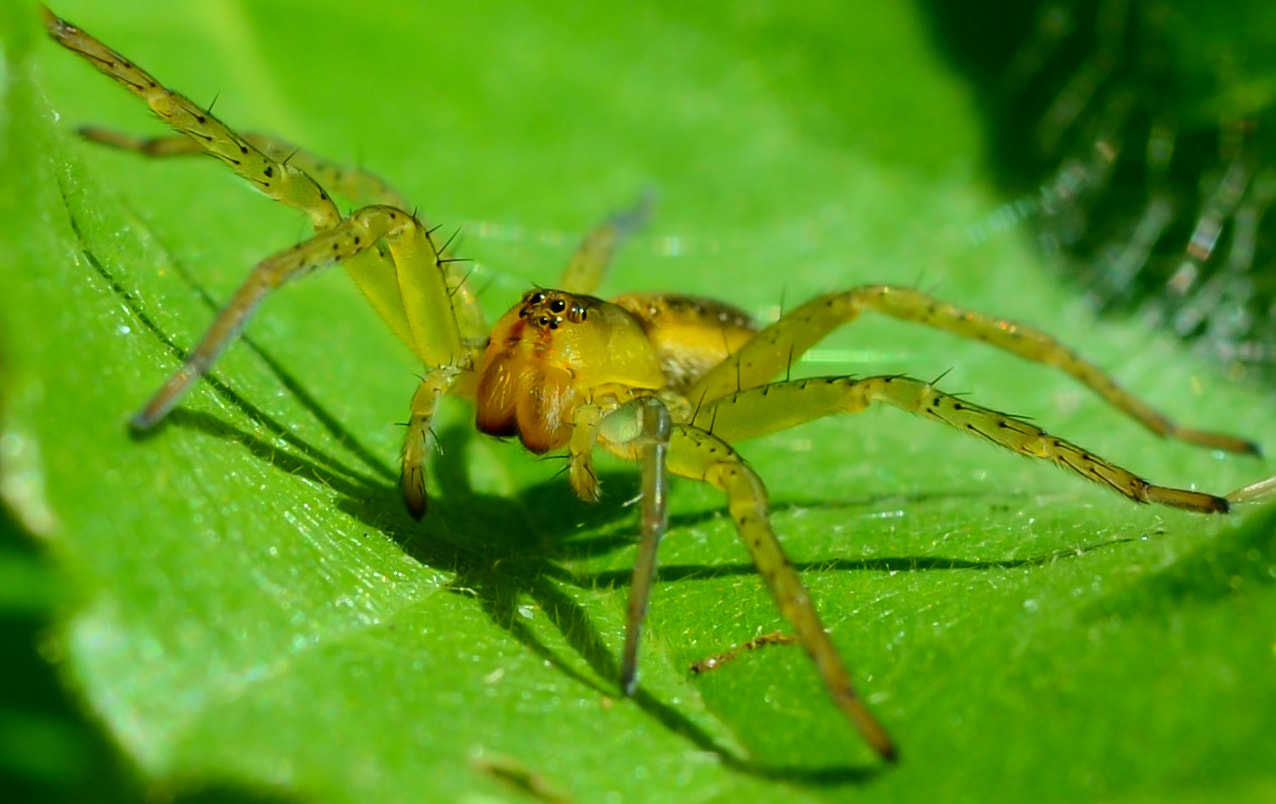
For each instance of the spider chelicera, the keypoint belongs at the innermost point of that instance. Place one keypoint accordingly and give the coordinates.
(667, 381)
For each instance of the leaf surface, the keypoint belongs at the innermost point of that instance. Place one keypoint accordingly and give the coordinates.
(246, 605)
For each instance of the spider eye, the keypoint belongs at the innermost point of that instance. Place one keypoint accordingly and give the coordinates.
(557, 306)
(577, 313)
(543, 321)
(536, 298)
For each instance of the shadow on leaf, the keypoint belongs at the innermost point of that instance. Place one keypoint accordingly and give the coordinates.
(1237, 560)
(483, 542)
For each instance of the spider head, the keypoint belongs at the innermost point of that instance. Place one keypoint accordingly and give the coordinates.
(549, 309)
(553, 351)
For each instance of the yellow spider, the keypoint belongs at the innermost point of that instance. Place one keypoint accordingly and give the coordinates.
(668, 381)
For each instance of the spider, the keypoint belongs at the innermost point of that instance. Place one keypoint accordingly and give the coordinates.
(664, 380)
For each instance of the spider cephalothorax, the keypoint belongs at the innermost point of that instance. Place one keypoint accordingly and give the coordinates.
(553, 351)
(667, 381)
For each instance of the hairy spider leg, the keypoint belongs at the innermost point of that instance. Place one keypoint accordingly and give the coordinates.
(641, 430)
(283, 182)
(354, 183)
(408, 286)
(699, 455)
(418, 435)
(408, 242)
(586, 423)
(778, 406)
(374, 277)
(770, 352)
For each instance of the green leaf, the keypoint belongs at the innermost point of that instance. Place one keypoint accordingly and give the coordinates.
(246, 607)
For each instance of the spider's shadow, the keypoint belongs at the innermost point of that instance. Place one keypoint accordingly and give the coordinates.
(498, 570)
(500, 567)
(496, 561)
(507, 550)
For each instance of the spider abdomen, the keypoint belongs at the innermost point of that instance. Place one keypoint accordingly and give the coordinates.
(689, 334)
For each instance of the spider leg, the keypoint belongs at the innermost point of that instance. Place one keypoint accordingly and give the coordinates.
(374, 276)
(586, 423)
(282, 181)
(387, 251)
(641, 430)
(360, 185)
(416, 441)
(1261, 491)
(593, 256)
(699, 455)
(769, 408)
(770, 351)
(408, 242)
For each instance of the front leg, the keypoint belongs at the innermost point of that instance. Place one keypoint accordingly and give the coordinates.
(778, 406)
(773, 349)
(279, 179)
(641, 430)
(351, 237)
(586, 422)
(357, 184)
(701, 456)
(416, 442)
